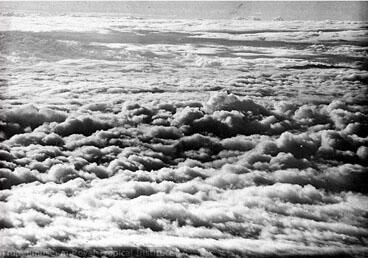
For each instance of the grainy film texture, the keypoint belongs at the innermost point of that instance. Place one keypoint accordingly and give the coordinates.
(183, 129)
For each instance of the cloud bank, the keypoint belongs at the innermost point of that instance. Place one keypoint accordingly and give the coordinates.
(183, 140)
(227, 176)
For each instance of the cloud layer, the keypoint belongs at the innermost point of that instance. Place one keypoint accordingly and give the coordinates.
(228, 174)
(203, 149)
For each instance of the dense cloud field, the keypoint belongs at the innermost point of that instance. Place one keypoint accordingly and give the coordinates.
(183, 137)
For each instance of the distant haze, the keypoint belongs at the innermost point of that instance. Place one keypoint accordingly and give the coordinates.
(268, 10)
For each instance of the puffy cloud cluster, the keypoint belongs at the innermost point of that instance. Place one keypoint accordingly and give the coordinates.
(230, 139)
(15, 121)
(228, 176)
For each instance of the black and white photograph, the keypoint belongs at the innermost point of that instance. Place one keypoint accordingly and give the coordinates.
(184, 129)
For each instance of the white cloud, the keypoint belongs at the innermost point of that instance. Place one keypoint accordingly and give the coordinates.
(198, 147)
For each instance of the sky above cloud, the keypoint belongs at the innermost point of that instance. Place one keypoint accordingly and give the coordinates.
(267, 10)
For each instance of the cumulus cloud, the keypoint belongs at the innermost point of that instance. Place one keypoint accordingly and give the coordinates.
(30, 115)
(211, 148)
(18, 176)
(223, 101)
(187, 115)
(61, 173)
(239, 142)
(302, 145)
(165, 132)
(81, 125)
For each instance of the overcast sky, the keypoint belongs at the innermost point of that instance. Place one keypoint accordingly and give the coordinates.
(301, 10)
